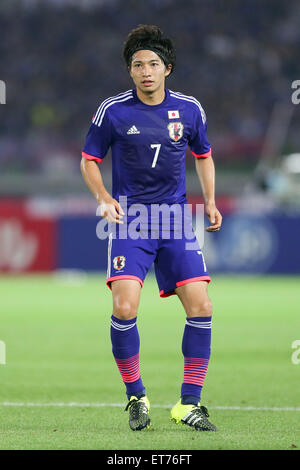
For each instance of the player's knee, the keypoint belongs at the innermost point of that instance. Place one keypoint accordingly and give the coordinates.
(124, 310)
(202, 308)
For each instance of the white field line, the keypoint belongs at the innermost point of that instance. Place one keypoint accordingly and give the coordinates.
(122, 405)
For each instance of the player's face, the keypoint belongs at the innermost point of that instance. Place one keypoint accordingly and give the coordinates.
(148, 71)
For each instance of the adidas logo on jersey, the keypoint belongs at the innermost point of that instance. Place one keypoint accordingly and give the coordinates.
(133, 130)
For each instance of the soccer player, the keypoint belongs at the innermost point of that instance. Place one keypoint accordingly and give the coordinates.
(148, 129)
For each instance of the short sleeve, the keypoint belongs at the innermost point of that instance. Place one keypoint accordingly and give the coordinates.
(98, 139)
(198, 142)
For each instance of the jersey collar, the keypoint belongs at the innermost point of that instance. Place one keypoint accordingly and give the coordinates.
(149, 106)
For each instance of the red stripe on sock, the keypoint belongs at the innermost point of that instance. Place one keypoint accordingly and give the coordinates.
(195, 370)
(129, 368)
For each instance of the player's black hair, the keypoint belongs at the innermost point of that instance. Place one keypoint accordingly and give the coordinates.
(149, 37)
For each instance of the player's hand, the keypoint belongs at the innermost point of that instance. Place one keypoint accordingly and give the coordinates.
(214, 217)
(111, 210)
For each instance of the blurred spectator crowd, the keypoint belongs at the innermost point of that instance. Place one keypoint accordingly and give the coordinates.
(59, 61)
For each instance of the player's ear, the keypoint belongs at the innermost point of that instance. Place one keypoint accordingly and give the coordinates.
(168, 70)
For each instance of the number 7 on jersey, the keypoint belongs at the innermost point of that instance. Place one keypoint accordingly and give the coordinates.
(157, 149)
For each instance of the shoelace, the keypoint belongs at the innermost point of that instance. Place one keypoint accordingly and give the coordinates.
(135, 409)
(130, 403)
(204, 411)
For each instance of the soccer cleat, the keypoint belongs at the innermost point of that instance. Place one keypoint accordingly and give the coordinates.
(192, 415)
(138, 413)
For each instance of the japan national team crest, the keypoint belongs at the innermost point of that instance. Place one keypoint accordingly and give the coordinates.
(119, 262)
(175, 130)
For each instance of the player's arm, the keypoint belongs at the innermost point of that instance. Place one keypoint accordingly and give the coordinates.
(110, 209)
(206, 173)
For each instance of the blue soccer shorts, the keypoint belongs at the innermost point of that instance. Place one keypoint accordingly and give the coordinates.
(174, 264)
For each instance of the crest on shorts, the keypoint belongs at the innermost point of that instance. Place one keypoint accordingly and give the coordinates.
(119, 262)
(175, 130)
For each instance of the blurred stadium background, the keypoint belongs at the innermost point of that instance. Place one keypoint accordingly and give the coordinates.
(59, 59)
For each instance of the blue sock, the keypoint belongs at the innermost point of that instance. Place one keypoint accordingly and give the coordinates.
(125, 347)
(196, 351)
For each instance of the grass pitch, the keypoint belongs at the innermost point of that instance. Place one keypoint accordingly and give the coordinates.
(60, 387)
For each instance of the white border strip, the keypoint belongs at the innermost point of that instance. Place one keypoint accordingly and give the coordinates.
(121, 405)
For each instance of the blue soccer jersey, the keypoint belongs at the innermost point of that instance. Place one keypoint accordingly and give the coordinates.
(148, 144)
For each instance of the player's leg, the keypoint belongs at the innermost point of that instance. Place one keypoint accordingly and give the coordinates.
(196, 339)
(126, 298)
(183, 272)
(125, 345)
(196, 344)
(124, 334)
(128, 263)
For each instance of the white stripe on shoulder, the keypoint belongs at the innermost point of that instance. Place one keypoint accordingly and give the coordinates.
(185, 96)
(109, 100)
(101, 115)
(120, 95)
(191, 99)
